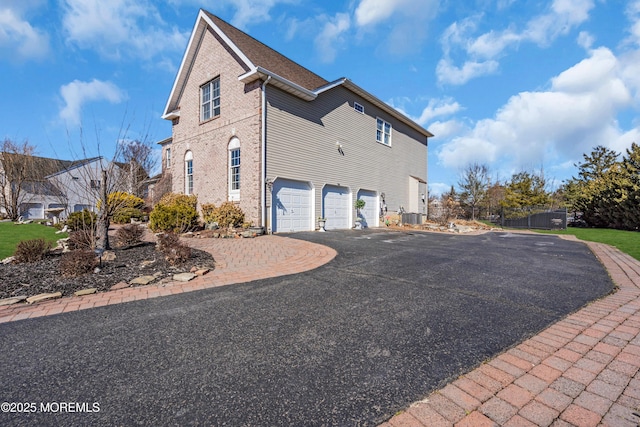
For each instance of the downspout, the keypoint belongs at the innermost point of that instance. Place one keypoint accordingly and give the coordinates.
(263, 172)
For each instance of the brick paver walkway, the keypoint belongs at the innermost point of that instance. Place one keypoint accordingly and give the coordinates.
(582, 371)
(237, 261)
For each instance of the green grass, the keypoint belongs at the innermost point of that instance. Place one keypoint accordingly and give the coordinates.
(627, 241)
(11, 235)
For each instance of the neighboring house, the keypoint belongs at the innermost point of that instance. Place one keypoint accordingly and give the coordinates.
(47, 185)
(253, 127)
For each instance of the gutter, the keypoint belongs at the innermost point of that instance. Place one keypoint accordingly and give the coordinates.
(263, 167)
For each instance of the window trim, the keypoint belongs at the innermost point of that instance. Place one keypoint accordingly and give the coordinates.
(213, 106)
(234, 170)
(355, 107)
(188, 173)
(383, 132)
(167, 158)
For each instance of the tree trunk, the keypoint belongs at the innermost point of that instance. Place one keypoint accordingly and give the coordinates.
(102, 233)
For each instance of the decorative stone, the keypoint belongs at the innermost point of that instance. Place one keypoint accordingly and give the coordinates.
(88, 291)
(12, 300)
(43, 297)
(211, 226)
(142, 280)
(188, 234)
(201, 272)
(183, 277)
(108, 256)
(119, 285)
(8, 260)
(147, 262)
(157, 274)
(64, 229)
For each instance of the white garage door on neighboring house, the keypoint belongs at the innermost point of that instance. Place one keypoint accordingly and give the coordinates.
(336, 207)
(291, 206)
(371, 208)
(31, 211)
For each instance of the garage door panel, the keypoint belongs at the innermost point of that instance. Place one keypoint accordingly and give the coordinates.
(336, 207)
(370, 210)
(292, 206)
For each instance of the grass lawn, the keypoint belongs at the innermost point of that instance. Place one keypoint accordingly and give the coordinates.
(627, 241)
(11, 235)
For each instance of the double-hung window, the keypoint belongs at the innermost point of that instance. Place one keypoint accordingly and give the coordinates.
(210, 99)
(383, 132)
(234, 169)
(167, 158)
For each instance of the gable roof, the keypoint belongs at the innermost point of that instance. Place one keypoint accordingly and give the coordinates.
(261, 63)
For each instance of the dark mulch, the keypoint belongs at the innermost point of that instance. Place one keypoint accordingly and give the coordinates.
(45, 276)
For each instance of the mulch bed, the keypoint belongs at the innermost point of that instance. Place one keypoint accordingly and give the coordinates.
(45, 276)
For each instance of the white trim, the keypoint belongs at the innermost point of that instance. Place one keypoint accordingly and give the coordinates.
(384, 122)
(358, 108)
(233, 194)
(278, 81)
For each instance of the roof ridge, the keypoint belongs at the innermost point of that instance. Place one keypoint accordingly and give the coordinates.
(267, 57)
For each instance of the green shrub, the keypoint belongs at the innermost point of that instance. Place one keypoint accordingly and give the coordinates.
(227, 215)
(78, 262)
(129, 235)
(124, 215)
(31, 250)
(208, 210)
(174, 213)
(83, 220)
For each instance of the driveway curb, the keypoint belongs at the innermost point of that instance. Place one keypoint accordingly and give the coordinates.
(237, 261)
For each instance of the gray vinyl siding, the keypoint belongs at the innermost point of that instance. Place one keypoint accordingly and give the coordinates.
(301, 145)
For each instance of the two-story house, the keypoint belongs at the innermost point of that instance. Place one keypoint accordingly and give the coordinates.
(253, 127)
(40, 187)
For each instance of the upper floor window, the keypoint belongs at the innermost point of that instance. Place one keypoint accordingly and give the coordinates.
(210, 99)
(383, 132)
(359, 108)
(234, 169)
(188, 173)
(95, 184)
(167, 157)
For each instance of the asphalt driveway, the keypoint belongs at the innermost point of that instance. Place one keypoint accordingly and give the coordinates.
(392, 317)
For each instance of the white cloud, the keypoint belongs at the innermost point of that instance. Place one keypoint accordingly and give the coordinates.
(19, 40)
(578, 112)
(247, 12)
(482, 52)
(448, 73)
(115, 28)
(633, 14)
(77, 93)
(438, 108)
(330, 38)
(443, 130)
(371, 12)
(406, 21)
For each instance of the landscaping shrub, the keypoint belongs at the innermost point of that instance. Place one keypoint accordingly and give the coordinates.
(208, 210)
(178, 254)
(82, 220)
(227, 215)
(82, 239)
(124, 215)
(174, 213)
(31, 250)
(129, 235)
(173, 250)
(78, 262)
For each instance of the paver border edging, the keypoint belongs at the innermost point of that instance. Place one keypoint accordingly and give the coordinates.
(274, 257)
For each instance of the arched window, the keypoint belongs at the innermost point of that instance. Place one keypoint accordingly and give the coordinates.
(234, 169)
(188, 173)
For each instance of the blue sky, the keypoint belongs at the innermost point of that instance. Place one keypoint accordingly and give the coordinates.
(515, 85)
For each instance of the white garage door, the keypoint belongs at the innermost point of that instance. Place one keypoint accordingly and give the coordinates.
(31, 211)
(336, 207)
(370, 210)
(291, 206)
